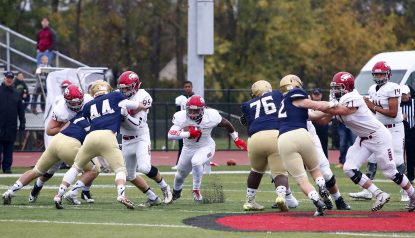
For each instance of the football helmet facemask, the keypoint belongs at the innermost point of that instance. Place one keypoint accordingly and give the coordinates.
(342, 83)
(381, 72)
(195, 107)
(128, 83)
(74, 97)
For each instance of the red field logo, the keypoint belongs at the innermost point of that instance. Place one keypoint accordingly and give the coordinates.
(304, 221)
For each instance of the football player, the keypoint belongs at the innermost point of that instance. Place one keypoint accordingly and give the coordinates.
(260, 115)
(198, 145)
(51, 114)
(63, 146)
(104, 114)
(384, 100)
(296, 144)
(373, 138)
(136, 143)
(328, 175)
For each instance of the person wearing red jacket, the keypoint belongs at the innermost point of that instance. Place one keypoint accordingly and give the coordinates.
(46, 41)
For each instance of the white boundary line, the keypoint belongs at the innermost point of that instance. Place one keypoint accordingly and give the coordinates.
(99, 223)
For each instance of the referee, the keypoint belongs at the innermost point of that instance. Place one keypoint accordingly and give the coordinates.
(408, 111)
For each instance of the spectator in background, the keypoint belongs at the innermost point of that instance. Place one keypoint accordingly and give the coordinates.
(408, 111)
(181, 105)
(11, 107)
(40, 88)
(322, 130)
(21, 87)
(46, 41)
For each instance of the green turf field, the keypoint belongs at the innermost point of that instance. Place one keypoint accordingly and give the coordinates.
(107, 218)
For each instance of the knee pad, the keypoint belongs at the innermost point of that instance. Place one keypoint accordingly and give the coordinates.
(397, 178)
(331, 182)
(354, 174)
(153, 172)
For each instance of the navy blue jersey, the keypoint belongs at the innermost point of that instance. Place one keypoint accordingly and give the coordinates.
(261, 113)
(290, 116)
(78, 127)
(104, 113)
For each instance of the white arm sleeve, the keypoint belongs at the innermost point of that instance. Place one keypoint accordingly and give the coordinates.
(129, 104)
(176, 133)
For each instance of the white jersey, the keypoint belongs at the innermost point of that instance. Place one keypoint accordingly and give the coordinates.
(362, 122)
(62, 113)
(144, 97)
(381, 98)
(211, 118)
(181, 102)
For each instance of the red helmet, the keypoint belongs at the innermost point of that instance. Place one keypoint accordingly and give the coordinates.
(65, 84)
(128, 83)
(195, 107)
(381, 72)
(74, 97)
(342, 83)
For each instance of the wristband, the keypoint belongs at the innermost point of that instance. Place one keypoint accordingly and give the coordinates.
(234, 135)
(374, 108)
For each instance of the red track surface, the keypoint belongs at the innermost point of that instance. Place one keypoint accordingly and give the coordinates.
(27, 159)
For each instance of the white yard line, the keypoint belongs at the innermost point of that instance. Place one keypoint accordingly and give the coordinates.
(98, 223)
(374, 234)
(112, 174)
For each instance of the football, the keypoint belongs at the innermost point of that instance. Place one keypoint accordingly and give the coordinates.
(231, 162)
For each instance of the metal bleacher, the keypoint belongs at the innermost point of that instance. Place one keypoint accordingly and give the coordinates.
(18, 53)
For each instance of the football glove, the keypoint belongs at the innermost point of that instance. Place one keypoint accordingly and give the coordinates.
(240, 144)
(194, 132)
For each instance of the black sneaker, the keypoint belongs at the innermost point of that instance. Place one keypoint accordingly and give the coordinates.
(321, 207)
(86, 195)
(177, 194)
(342, 205)
(34, 193)
(325, 195)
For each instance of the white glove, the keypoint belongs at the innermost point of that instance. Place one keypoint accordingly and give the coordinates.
(124, 111)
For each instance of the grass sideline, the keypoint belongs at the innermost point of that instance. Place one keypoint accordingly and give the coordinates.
(107, 218)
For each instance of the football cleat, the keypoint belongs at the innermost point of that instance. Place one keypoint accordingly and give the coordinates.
(168, 196)
(176, 194)
(381, 199)
(197, 196)
(320, 207)
(34, 193)
(290, 200)
(411, 205)
(124, 200)
(342, 205)
(325, 195)
(364, 194)
(7, 197)
(252, 205)
(151, 203)
(72, 199)
(86, 195)
(58, 202)
(404, 196)
(280, 201)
